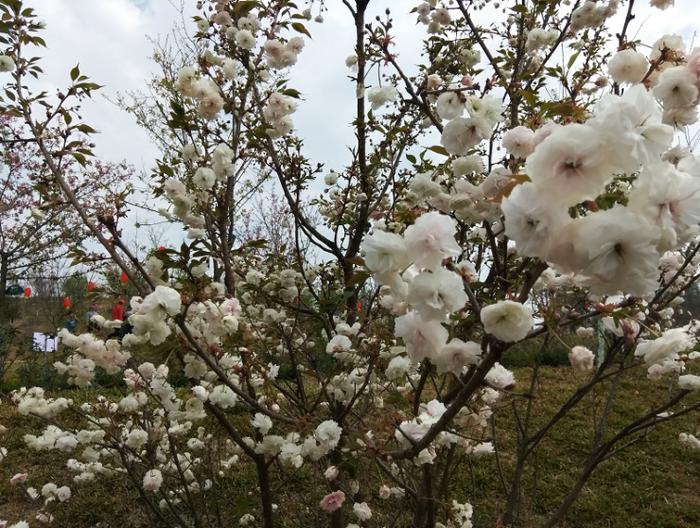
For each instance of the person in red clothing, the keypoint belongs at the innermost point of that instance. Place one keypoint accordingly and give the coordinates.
(118, 311)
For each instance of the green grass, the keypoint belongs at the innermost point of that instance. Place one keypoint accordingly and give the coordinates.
(652, 484)
(104, 500)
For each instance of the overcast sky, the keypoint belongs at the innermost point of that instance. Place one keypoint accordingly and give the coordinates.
(109, 40)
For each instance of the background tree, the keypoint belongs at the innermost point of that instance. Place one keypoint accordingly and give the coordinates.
(37, 225)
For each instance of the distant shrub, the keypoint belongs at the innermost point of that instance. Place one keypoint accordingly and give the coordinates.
(37, 371)
(535, 352)
(9, 309)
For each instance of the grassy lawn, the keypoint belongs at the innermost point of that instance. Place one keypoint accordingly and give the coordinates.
(654, 483)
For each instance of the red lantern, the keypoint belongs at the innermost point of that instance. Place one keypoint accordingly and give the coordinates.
(27, 293)
(67, 303)
(123, 278)
(161, 248)
(91, 286)
(359, 307)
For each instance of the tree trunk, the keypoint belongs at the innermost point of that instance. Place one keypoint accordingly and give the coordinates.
(424, 516)
(513, 501)
(4, 265)
(265, 492)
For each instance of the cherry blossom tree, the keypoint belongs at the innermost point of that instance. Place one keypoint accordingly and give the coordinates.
(37, 225)
(527, 184)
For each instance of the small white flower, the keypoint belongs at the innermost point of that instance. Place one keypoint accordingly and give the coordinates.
(676, 88)
(456, 355)
(500, 377)
(437, 294)
(63, 493)
(245, 39)
(431, 239)
(204, 178)
(463, 133)
(152, 480)
(628, 66)
(507, 321)
(689, 382)
(246, 520)
(339, 343)
(331, 473)
(482, 449)
(385, 252)
(362, 511)
(379, 96)
(398, 367)
(6, 64)
(223, 396)
(200, 270)
(581, 358)
(331, 178)
(449, 105)
(384, 492)
(262, 423)
(422, 338)
(328, 433)
(519, 141)
(570, 165)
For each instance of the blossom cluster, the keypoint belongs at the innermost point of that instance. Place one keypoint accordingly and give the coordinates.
(606, 250)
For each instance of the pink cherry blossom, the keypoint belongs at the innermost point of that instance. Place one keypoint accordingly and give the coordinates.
(332, 501)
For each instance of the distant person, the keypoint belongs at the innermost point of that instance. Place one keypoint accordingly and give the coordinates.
(126, 328)
(92, 325)
(118, 311)
(71, 324)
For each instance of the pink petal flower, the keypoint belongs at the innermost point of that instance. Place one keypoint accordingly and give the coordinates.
(332, 501)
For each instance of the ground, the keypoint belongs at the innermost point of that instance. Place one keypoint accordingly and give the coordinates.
(654, 483)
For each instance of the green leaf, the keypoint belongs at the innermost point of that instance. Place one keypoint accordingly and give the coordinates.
(438, 149)
(87, 86)
(39, 41)
(164, 169)
(300, 28)
(529, 96)
(75, 72)
(291, 92)
(80, 158)
(558, 108)
(244, 7)
(86, 129)
(572, 59)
